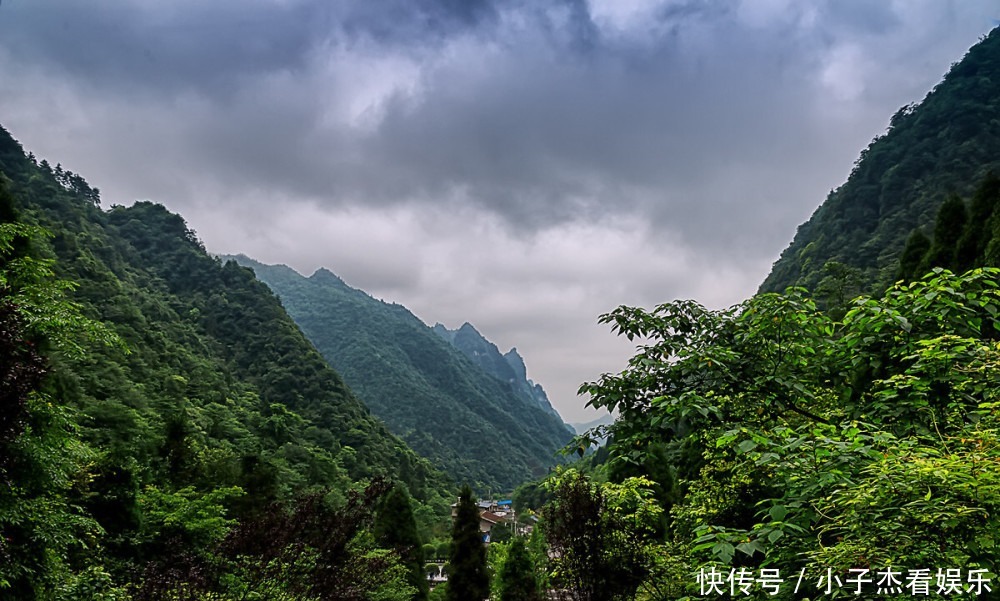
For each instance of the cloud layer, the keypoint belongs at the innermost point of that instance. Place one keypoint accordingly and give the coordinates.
(521, 165)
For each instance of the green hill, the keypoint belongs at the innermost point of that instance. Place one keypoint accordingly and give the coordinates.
(218, 389)
(472, 425)
(942, 146)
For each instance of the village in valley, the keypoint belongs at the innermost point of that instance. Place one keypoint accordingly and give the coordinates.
(498, 522)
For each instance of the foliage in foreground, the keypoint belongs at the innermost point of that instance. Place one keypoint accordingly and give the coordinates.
(604, 538)
(800, 441)
(515, 579)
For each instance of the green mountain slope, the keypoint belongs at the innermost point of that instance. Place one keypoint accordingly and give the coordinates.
(945, 145)
(507, 367)
(220, 387)
(470, 424)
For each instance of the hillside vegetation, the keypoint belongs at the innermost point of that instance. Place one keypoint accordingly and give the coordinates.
(206, 411)
(475, 427)
(942, 146)
(966, 234)
(508, 367)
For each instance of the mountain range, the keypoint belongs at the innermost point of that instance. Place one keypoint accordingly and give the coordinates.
(479, 420)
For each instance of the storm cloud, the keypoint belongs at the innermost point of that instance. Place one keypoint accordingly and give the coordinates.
(519, 164)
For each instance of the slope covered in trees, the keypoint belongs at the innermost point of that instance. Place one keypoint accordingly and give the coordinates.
(944, 145)
(507, 367)
(472, 425)
(208, 419)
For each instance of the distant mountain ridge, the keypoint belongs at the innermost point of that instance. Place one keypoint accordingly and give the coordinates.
(508, 367)
(604, 420)
(944, 145)
(474, 426)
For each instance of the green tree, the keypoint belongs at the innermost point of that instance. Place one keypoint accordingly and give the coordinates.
(42, 458)
(440, 592)
(948, 229)
(538, 549)
(603, 535)
(468, 579)
(977, 235)
(396, 529)
(914, 254)
(823, 443)
(839, 285)
(517, 575)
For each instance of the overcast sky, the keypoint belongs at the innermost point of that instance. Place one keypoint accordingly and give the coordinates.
(521, 165)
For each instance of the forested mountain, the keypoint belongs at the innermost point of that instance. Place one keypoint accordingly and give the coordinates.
(212, 406)
(477, 428)
(942, 146)
(507, 367)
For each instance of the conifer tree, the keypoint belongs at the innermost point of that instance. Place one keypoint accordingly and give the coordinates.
(951, 221)
(517, 575)
(914, 254)
(468, 580)
(396, 528)
(976, 237)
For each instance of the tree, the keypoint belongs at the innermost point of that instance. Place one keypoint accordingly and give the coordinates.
(396, 529)
(42, 458)
(442, 550)
(822, 443)
(910, 262)
(469, 579)
(517, 575)
(602, 535)
(948, 228)
(974, 241)
(839, 285)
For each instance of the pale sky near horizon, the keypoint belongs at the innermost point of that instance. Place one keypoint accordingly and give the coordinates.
(521, 165)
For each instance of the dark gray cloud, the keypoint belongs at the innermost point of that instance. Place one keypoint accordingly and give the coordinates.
(498, 161)
(540, 112)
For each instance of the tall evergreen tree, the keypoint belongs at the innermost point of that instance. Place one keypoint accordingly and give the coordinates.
(973, 243)
(948, 229)
(396, 528)
(469, 580)
(914, 254)
(517, 575)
